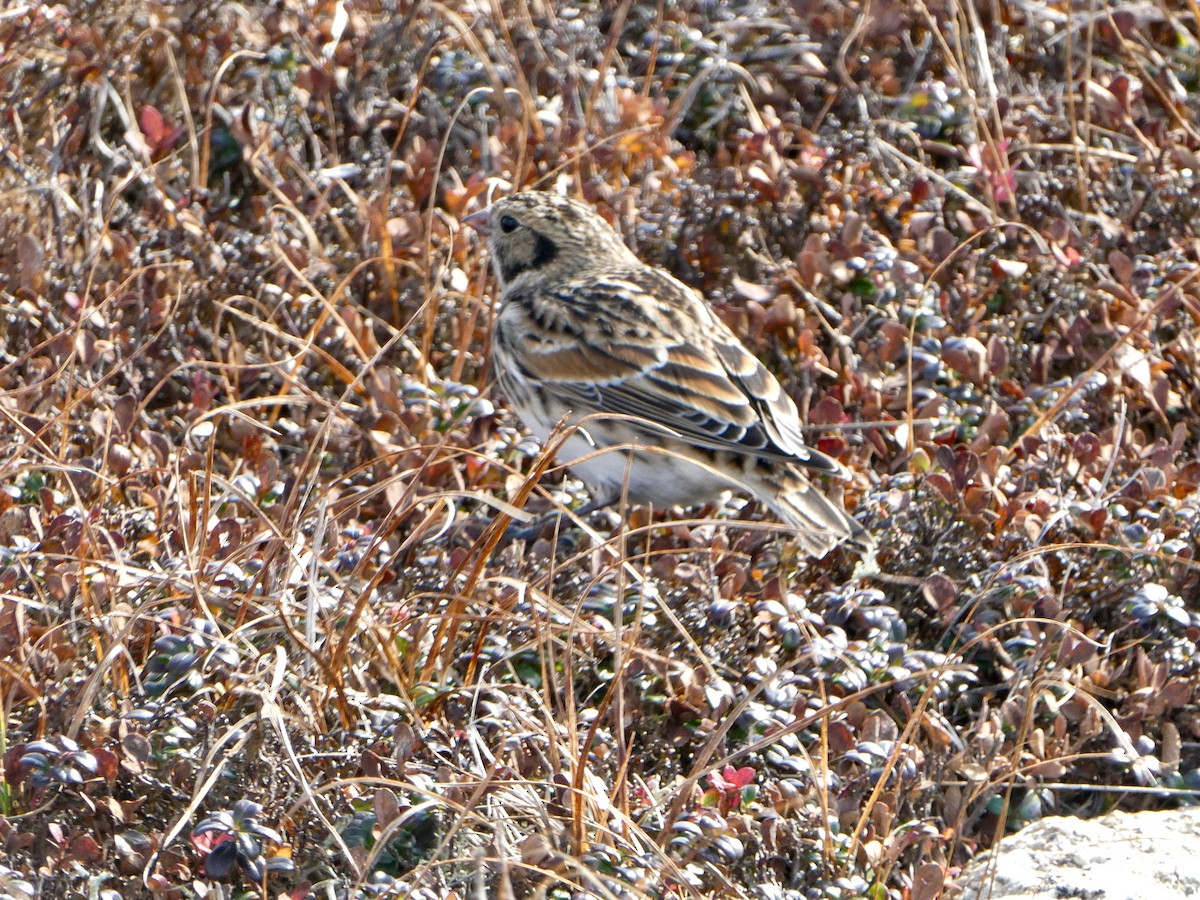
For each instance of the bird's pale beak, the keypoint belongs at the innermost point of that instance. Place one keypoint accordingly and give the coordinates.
(480, 221)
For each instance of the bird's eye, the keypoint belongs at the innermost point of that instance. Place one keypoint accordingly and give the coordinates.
(508, 224)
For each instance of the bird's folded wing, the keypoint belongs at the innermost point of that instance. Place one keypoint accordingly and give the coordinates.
(684, 372)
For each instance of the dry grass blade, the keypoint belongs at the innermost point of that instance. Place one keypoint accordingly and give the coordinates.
(261, 630)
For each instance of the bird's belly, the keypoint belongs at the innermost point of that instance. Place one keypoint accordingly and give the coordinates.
(630, 466)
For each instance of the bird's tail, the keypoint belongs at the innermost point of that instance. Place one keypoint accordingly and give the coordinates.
(820, 523)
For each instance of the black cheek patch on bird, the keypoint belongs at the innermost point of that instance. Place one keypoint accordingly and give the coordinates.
(544, 253)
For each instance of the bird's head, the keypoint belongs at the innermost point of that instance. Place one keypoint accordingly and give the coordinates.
(543, 234)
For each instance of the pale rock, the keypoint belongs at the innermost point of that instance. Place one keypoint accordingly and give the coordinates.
(1119, 856)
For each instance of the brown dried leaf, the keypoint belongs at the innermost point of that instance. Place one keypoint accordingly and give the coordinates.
(386, 806)
(967, 356)
(31, 260)
(940, 592)
(1121, 267)
(879, 727)
(928, 882)
(406, 742)
(943, 486)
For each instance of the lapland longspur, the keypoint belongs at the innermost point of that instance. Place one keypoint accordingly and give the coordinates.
(638, 361)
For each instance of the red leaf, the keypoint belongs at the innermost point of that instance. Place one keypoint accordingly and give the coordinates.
(159, 137)
(153, 126)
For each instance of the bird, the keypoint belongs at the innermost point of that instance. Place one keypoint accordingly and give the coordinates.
(667, 406)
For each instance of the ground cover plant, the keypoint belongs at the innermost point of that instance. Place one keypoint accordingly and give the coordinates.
(260, 633)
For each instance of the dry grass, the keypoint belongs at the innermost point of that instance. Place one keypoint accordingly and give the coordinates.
(257, 626)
